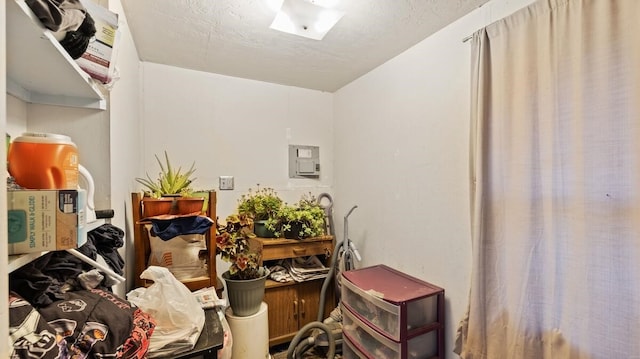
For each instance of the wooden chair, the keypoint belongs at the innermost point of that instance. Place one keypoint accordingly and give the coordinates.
(143, 249)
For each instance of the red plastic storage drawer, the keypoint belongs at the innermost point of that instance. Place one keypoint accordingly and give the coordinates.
(395, 304)
(372, 344)
(349, 351)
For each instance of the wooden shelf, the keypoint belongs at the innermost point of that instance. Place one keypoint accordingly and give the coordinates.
(39, 70)
(142, 244)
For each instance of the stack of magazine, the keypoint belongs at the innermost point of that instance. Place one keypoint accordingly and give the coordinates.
(208, 298)
(305, 268)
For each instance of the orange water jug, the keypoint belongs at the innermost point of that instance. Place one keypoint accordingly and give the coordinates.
(44, 161)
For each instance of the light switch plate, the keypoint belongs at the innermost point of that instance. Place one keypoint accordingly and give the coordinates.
(226, 182)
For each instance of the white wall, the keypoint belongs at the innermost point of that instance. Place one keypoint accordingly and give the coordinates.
(16, 116)
(237, 127)
(402, 145)
(125, 134)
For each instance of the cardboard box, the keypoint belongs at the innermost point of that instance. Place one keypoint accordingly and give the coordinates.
(97, 60)
(42, 220)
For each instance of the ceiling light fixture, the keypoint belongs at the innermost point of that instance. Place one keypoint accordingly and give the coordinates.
(306, 18)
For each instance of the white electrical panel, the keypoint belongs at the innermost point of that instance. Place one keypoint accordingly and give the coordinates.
(304, 161)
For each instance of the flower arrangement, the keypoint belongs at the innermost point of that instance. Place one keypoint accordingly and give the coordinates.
(304, 219)
(261, 204)
(232, 243)
(170, 181)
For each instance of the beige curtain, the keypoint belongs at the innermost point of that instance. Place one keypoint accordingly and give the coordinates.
(556, 184)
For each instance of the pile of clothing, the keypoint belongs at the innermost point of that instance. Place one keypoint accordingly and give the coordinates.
(67, 17)
(61, 307)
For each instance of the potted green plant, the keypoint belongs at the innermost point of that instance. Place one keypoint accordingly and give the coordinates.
(171, 183)
(245, 277)
(260, 205)
(304, 219)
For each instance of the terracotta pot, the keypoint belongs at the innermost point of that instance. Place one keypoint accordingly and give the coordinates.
(171, 205)
(155, 206)
(187, 205)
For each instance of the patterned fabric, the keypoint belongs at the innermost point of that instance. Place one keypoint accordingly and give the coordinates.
(85, 324)
(137, 345)
(30, 335)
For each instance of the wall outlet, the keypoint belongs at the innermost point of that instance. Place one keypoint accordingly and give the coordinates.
(226, 182)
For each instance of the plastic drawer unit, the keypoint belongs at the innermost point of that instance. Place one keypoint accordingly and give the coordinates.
(371, 344)
(349, 351)
(393, 312)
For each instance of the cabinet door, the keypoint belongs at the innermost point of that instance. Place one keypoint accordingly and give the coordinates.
(309, 294)
(309, 299)
(283, 307)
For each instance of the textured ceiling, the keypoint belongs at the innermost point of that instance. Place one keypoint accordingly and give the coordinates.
(232, 37)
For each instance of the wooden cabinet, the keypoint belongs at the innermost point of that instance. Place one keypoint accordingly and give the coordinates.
(294, 304)
(291, 306)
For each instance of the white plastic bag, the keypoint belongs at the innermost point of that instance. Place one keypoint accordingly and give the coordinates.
(179, 317)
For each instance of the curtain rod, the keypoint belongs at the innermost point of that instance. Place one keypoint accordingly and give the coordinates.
(471, 36)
